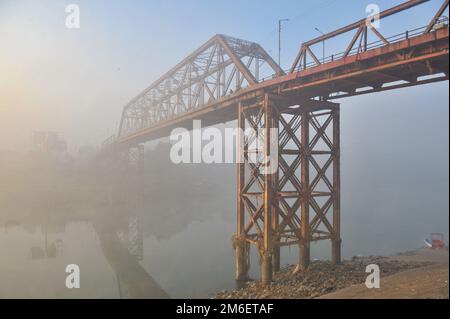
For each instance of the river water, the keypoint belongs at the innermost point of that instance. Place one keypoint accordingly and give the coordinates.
(394, 194)
(193, 259)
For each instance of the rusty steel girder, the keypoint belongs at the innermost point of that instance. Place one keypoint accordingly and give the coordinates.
(414, 57)
(220, 67)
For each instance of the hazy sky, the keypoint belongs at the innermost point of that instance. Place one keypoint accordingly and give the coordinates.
(77, 81)
(395, 145)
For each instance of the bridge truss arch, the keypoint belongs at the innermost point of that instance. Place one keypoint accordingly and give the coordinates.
(222, 66)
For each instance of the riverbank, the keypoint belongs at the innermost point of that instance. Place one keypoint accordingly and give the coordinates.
(422, 273)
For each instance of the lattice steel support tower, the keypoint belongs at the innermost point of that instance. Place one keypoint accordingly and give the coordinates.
(289, 195)
(135, 156)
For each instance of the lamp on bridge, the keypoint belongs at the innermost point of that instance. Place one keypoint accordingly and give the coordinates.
(323, 45)
(279, 39)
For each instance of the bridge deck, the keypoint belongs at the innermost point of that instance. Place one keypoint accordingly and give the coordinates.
(402, 63)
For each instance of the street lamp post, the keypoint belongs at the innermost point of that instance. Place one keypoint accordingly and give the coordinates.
(279, 39)
(323, 45)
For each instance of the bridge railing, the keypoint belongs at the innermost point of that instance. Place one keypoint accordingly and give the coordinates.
(443, 21)
(306, 58)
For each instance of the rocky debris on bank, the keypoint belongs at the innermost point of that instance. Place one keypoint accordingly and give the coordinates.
(319, 279)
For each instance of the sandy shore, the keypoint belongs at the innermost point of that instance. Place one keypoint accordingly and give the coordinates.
(423, 282)
(422, 273)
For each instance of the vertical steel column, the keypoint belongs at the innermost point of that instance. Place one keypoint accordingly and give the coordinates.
(304, 254)
(266, 253)
(275, 186)
(336, 241)
(240, 245)
(257, 180)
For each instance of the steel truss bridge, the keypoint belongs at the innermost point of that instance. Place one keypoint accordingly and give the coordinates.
(228, 78)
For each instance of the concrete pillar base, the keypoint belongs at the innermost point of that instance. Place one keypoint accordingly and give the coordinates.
(276, 260)
(304, 259)
(242, 264)
(266, 268)
(336, 251)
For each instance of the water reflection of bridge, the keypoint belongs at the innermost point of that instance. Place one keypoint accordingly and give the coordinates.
(120, 242)
(133, 280)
